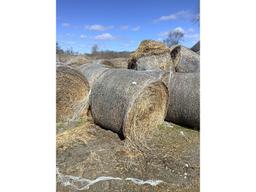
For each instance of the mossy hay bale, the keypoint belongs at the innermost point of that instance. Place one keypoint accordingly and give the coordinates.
(72, 94)
(92, 72)
(150, 55)
(128, 103)
(184, 99)
(185, 60)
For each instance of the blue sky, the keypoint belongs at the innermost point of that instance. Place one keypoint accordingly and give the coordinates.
(121, 25)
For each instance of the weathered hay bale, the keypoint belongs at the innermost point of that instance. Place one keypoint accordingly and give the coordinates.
(184, 99)
(72, 94)
(92, 72)
(158, 74)
(128, 103)
(196, 47)
(184, 59)
(151, 55)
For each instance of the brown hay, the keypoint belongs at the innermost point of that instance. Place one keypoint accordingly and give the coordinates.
(107, 63)
(184, 59)
(72, 94)
(151, 55)
(130, 109)
(116, 63)
(92, 72)
(150, 47)
(184, 99)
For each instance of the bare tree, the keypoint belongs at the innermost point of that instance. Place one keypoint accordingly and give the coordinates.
(174, 37)
(95, 48)
(58, 49)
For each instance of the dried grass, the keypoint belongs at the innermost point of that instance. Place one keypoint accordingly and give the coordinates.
(151, 55)
(72, 94)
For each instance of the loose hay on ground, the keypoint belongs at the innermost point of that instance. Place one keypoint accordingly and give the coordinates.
(184, 99)
(184, 59)
(128, 103)
(72, 94)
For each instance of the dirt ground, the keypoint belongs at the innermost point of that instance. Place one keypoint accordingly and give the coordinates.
(90, 158)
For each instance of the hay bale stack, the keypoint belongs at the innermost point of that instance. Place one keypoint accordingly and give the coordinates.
(72, 94)
(92, 72)
(184, 59)
(151, 55)
(128, 103)
(184, 102)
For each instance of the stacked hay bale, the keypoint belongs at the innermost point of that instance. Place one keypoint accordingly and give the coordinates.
(128, 103)
(151, 55)
(175, 67)
(185, 60)
(184, 99)
(72, 94)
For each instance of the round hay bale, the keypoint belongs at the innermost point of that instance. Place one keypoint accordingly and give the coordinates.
(72, 94)
(184, 99)
(128, 103)
(92, 72)
(158, 74)
(151, 55)
(185, 60)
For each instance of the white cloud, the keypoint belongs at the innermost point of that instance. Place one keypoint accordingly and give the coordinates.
(136, 28)
(82, 36)
(65, 25)
(97, 27)
(177, 15)
(124, 27)
(188, 34)
(105, 36)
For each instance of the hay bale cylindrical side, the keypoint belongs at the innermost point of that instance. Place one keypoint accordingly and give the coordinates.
(185, 60)
(184, 99)
(128, 103)
(158, 74)
(72, 94)
(92, 72)
(151, 55)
